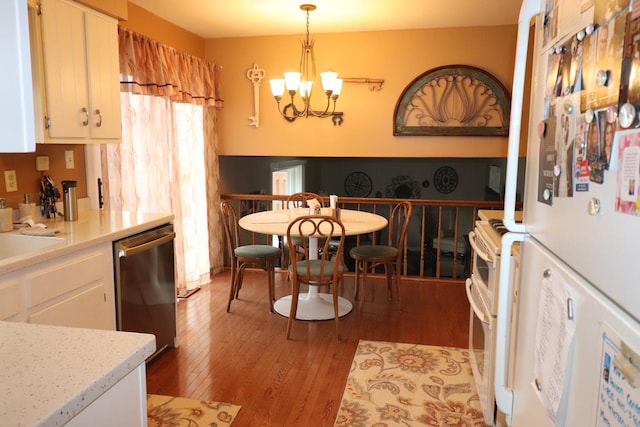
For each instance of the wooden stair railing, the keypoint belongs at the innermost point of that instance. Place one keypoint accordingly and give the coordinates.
(437, 247)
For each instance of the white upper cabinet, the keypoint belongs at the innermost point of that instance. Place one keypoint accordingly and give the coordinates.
(81, 74)
(16, 95)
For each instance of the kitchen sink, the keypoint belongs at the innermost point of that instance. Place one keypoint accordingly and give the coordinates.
(20, 244)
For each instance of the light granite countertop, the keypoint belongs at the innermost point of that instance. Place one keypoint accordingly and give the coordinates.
(50, 373)
(91, 228)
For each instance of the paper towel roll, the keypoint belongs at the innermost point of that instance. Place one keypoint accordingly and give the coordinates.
(6, 219)
(27, 209)
(333, 201)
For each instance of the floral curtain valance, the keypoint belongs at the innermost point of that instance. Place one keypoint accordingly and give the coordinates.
(151, 68)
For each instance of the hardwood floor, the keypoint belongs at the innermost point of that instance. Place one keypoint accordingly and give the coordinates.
(243, 357)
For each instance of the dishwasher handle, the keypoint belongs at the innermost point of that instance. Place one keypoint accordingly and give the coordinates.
(129, 251)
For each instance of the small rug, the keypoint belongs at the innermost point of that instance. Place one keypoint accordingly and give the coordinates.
(393, 384)
(169, 411)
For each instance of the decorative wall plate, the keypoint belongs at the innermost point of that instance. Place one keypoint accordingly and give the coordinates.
(445, 179)
(358, 184)
(453, 100)
(403, 187)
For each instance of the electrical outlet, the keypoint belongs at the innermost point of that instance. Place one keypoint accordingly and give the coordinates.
(68, 159)
(10, 180)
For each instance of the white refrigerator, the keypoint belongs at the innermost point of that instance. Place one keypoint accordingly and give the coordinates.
(568, 325)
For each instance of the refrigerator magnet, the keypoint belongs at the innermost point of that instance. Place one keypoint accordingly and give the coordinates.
(611, 114)
(588, 115)
(542, 128)
(627, 115)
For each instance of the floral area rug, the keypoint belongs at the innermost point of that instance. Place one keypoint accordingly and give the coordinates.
(169, 411)
(392, 384)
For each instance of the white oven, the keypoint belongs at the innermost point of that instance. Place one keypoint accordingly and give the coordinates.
(482, 338)
(486, 244)
(482, 292)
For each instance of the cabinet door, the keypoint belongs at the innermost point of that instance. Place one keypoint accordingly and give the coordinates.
(124, 404)
(12, 304)
(16, 97)
(104, 81)
(73, 290)
(81, 73)
(65, 69)
(87, 309)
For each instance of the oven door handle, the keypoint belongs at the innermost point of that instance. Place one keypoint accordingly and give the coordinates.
(480, 314)
(481, 253)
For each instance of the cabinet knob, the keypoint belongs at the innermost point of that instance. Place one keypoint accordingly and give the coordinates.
(85, 122)
(99, 122)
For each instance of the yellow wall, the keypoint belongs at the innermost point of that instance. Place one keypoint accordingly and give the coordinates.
(28, 178)
(115, 8)
(152, 26)
(395, 56)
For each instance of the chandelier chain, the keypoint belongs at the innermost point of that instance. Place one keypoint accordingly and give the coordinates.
(307, 26)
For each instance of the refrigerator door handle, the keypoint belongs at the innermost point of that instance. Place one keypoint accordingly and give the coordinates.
(529, 9)
(504, 395)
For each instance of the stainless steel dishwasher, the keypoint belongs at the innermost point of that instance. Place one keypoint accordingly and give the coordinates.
(145, 285)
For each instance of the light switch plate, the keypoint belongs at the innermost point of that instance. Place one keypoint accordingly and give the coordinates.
(68, 159)
(10, 180)
(42, 163)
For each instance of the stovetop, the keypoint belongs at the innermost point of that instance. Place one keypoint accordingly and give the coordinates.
(491, 231)
(498, 226)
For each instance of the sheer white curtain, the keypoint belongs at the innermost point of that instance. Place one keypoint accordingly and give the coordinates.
(168, 159)
(160, 167)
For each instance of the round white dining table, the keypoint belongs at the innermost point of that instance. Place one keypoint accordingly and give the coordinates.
(312, 305)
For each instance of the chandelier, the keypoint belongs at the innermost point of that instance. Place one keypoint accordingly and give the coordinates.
(301, 83)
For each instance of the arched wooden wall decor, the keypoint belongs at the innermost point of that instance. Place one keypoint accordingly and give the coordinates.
(453, 100)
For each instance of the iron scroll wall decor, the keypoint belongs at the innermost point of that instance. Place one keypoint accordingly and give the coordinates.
(453, 100)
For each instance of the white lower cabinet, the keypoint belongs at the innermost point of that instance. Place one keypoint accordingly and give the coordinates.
(12, 298)
(72, 290)
(84, 310)
(124, 404)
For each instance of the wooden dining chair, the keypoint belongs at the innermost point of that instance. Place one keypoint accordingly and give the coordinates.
(367, 257)
(299, 200)
(243, 256)
(322, 271)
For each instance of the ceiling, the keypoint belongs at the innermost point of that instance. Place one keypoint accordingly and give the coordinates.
(241, 18)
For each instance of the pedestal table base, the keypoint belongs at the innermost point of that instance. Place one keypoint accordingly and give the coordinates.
(313, 306)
